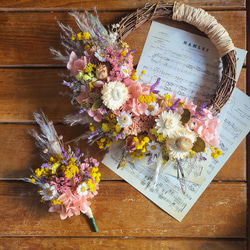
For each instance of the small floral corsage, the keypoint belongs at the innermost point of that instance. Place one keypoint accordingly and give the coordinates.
(64, 180)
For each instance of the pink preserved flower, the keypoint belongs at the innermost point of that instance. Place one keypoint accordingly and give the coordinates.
(139, 125)
(73, 204)
(121, 65)
(97, 114)
(129, 64)
(84, 95)
(83, 166)
(93, 161)
(61, 183)
(76, 65)
(136, 89)
(192, 107)
(132, 106)
(206, 129)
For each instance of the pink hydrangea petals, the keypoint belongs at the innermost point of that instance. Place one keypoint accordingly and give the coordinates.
(215, 141)
(192, 107)
(73, 204)
(142, 107)
(206, 128)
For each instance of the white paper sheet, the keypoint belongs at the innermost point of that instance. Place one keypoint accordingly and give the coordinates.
(176, 60)
(187, 64)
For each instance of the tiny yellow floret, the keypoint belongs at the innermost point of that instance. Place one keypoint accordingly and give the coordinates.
(124, 53)
(85, 36)
(134, 77)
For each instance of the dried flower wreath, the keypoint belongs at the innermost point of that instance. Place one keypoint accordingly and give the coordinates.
(121, 109)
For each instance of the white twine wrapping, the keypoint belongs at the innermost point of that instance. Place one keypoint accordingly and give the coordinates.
(205, 23)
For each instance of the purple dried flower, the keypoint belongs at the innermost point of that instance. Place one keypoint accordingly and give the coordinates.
(202, 108)
(97, 32)
(155, 85)
(68, 84)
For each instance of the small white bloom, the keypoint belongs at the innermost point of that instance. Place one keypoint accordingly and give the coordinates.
(48, 192)
(82, 189)
(152, 109)
(114, 95)
(168, 123)
(100, 55)
(153, 147)
(112, 37)
(115, 25)
(124, 71)
(179, 145)
(124, 119)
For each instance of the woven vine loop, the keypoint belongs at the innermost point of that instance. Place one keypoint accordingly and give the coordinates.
(205, 23)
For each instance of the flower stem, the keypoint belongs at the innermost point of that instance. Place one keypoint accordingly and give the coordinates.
(90, 215)
(94, 225)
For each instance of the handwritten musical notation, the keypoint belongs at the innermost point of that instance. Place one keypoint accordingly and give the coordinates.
(195, 75)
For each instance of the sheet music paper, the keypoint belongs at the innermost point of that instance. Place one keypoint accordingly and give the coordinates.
(187, 64)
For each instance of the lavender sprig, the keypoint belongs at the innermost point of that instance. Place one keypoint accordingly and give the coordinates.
(119, 135)
(97, 35)
(202, 108)
(155, 85)
(173, 107)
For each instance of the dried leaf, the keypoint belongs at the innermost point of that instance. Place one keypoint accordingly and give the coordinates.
(94, 95)
(186, 115)
(199, 145)
(97, 104)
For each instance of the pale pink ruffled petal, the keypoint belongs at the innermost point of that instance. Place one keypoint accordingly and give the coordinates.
(215, 141)
(142, 107)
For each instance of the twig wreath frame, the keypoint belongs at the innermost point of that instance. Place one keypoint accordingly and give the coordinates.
(205, 23)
